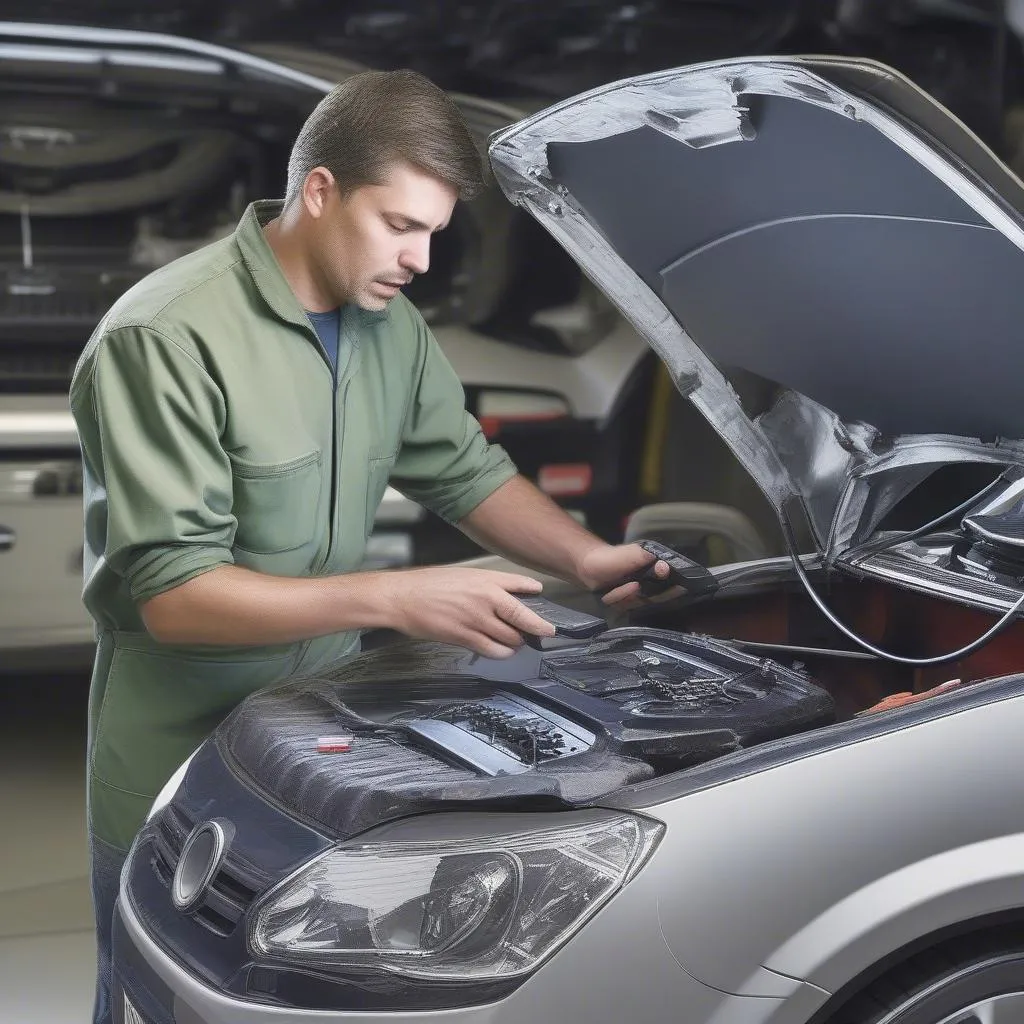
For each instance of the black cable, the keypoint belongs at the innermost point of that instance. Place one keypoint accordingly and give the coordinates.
(920, 531)
(997, 628)
(886, 542)
(1005, 621)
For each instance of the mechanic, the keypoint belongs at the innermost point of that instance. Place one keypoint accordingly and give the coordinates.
(241, 411)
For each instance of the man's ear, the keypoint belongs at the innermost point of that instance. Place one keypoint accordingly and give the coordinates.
(316, 191)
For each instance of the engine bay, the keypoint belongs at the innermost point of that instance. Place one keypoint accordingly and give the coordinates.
(100, 188)
(96, 192)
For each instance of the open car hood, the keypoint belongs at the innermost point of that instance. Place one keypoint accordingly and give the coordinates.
(821, 223)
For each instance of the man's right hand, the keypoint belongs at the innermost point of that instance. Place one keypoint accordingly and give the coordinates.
(474, 608)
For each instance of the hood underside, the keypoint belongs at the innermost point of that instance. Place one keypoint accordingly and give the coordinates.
(820, 223)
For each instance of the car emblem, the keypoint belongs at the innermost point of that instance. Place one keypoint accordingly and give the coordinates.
(201, 857)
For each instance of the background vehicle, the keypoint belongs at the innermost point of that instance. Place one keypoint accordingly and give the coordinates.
(120, 152)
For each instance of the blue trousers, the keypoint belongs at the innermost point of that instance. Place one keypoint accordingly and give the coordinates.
(106, 862)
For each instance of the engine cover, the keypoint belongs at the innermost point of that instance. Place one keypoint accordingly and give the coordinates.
(420, 725)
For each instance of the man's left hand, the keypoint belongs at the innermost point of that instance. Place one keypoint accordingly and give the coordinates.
(605, 566)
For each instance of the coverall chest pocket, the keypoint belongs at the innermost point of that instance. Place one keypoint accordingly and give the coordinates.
(276, 504)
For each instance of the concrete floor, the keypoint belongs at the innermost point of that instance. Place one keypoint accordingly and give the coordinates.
(47, 956)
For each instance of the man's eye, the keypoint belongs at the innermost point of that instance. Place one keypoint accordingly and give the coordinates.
(399, 229)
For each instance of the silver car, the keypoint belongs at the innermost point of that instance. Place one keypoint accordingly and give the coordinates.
(122, 150)
(791, 795)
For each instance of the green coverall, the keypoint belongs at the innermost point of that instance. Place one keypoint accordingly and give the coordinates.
(212, 434)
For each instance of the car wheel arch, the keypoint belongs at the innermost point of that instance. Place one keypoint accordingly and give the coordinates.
(983, 935)
(855, 941)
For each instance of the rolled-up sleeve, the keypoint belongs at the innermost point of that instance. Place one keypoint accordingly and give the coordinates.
(164, 477)
(445, 462)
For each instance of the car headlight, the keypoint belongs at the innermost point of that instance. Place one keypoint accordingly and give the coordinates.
(469, 910)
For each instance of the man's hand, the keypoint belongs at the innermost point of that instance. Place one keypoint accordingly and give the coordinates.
(474, 608)
(605, 566)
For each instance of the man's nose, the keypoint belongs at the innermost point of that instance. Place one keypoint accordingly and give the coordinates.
(416, 256)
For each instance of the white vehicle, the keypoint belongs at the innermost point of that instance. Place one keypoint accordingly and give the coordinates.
(120, 151)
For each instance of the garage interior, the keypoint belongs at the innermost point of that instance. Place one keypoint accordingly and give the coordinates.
(524, 328)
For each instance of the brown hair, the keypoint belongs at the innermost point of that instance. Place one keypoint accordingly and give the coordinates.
(378, 118)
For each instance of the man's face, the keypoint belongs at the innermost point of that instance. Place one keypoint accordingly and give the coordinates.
(370, 243)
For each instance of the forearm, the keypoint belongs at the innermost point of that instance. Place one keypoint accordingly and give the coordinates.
(232, 605)
(526, 526)
(474, 608)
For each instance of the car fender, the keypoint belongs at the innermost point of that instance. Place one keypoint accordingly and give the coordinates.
(876, 921)
(824, 864)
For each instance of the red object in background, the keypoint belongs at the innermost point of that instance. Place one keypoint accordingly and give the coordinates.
(569, 480)
(491, 425)
(333, 744)
(898, 700)
(498, 408)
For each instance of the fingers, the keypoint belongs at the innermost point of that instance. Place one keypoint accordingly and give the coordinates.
(669, 595)
(516, 584)
(640, 557)
(499, 630)
(522, 618)
(630, 563)
(498, 633)
(624, 593)
(629, 596)
(486, 647)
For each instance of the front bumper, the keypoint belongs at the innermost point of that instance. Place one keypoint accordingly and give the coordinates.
(646, 986)
(197, 968)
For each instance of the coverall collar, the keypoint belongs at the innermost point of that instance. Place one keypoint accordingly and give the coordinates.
(266, 272)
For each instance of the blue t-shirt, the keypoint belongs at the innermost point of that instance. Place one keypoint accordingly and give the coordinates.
(328, 327)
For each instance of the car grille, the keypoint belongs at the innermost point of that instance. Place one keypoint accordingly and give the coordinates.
(233, 888)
